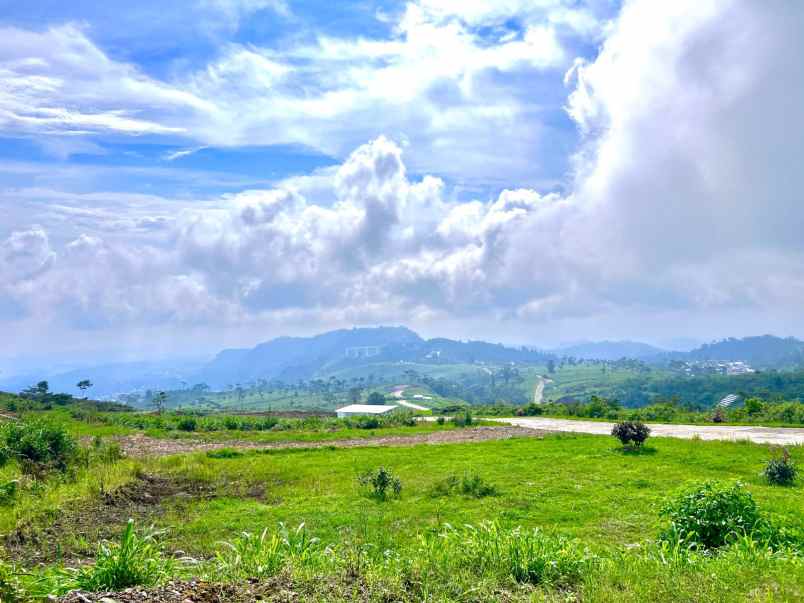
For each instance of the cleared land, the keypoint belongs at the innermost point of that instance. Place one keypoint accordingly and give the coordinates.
(141, 445)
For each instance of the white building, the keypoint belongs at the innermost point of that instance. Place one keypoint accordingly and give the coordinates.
(354, 410)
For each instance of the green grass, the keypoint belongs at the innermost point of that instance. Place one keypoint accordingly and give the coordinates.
(569, 486)
(582, 486)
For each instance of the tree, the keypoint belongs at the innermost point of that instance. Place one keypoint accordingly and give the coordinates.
(551, 366)
(354, 394)
(376, 399)
(753, 406)
(159, 402)
(84, 385)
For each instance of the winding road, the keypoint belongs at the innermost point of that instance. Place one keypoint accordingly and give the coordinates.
(785, 436)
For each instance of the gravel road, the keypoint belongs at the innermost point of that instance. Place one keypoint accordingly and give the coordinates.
(760, 435)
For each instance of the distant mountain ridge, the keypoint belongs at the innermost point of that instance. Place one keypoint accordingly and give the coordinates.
(766, 351)
(293, 358)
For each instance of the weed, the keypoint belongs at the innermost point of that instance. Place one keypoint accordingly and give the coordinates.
(382, 483)
(10, 588)
(253, 556)
(135, 561)
(529, 556)
(470, 484)
(8, 491)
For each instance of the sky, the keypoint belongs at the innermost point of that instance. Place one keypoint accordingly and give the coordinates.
(180, 177)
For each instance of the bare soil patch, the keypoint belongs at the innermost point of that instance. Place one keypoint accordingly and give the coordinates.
(190, 591)
(74, 531)
(140, 445)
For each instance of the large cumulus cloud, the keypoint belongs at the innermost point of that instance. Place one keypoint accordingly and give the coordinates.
(686, 201)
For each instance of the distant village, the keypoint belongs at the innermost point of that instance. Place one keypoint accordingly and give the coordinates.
(713, 367)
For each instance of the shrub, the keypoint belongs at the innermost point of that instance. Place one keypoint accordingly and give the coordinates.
(187, 424)
(469, 485)
(464, 419)
(780, 471)
(135, 561)
(532, 410)
(441, 420)
(711, 515)
(382, 483)
(631, 433)
(38, 445)
(368, 423)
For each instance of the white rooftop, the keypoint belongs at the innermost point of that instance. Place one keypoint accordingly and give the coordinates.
(369, 409)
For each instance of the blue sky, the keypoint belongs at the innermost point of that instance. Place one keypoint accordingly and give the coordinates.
(217, 172)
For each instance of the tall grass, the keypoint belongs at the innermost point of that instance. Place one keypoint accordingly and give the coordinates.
(264, 555)
(136, 560)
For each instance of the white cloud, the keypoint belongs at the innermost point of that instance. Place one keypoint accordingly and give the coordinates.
(686, 206)
(437, 81)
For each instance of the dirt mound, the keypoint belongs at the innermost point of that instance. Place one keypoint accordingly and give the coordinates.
(152, 490)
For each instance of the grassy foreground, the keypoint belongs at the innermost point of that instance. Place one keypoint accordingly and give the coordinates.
(597, 508)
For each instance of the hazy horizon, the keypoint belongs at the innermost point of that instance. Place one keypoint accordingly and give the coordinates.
(177, 180)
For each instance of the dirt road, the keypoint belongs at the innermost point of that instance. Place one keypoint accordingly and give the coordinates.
(759, 435)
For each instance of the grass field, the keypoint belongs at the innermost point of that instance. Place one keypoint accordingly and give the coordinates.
(580, 487)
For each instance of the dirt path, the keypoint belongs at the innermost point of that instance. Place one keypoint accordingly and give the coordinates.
(759, 435)
(399, 392)
(140, 445)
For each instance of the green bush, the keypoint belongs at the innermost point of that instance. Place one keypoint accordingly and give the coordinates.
(711, 515)
(463, 419)
(38, 445)
(368, 423)
(382, 484)
(469, 485)
(781, 471)
(631, 433)
(8, 491)
(135, 561)
(187, 424)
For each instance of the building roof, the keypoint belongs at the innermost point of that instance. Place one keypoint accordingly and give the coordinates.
(368, 409)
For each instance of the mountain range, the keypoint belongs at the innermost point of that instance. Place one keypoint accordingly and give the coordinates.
(294, 358)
